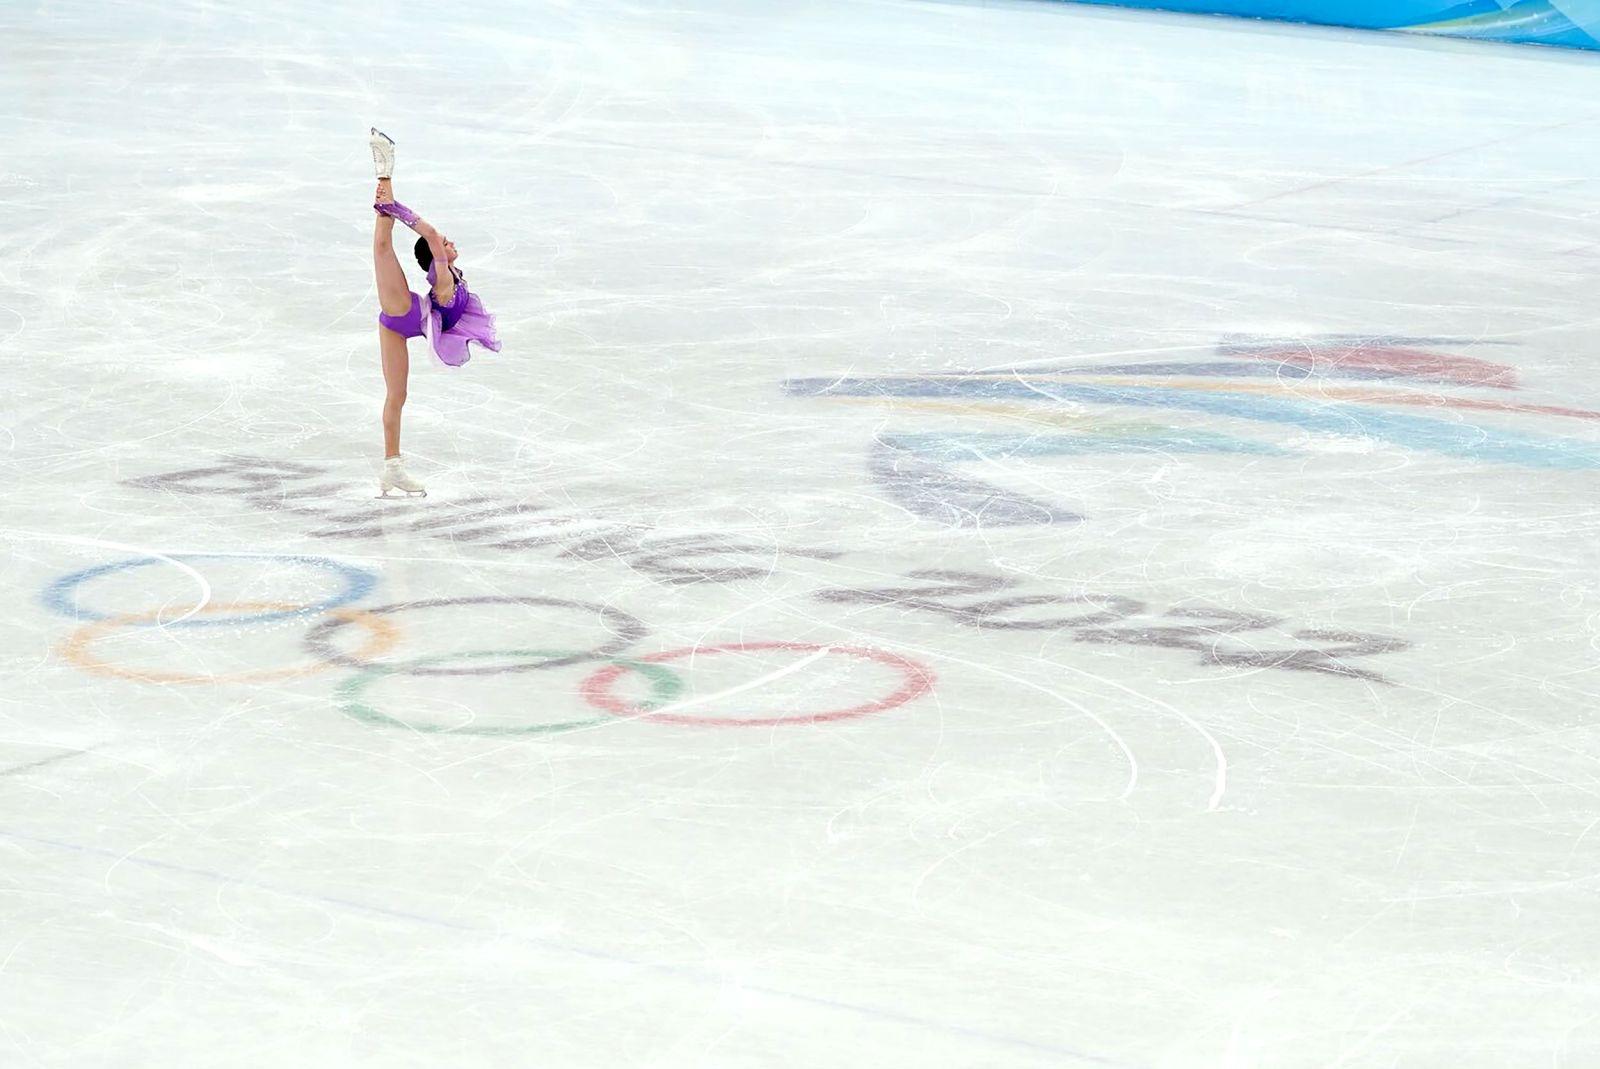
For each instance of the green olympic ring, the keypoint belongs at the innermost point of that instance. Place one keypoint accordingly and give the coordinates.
(665, 685)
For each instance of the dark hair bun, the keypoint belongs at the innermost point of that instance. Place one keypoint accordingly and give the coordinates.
(424, 254)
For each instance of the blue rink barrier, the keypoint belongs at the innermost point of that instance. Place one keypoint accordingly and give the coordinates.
(1567, 23)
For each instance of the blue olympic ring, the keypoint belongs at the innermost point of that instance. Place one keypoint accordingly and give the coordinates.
(61, 595)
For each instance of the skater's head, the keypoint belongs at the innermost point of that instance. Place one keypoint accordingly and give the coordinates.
(425, 254)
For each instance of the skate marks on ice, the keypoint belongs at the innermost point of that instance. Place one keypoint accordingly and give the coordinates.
(618, 676)
(1215, 634)
(933, 492)
(622, 677)
(714, 980)
(1211, 631)
(499, 524)
(1301, 384)
(62, 595)
(44, 762)
(611, 634)
(618, 683)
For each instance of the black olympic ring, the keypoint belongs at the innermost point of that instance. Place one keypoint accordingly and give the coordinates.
(627, 628)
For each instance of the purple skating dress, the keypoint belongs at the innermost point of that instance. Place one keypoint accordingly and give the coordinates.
(448, 329)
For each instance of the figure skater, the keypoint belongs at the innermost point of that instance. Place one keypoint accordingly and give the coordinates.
(450, 316)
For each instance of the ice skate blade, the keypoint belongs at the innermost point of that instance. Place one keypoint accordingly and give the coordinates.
(384, 495)
(382, 152)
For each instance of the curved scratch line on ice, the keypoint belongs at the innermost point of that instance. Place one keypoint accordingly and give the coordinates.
(1220, 780)
(200, 580)
(642, 714)
(1133, 762)
(1016, 365)
(742, 687)
(1121, 743)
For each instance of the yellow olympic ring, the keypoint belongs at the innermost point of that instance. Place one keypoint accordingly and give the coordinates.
(382, 636)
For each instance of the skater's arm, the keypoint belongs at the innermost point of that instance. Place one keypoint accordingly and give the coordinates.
(385, 204)
(435, 240)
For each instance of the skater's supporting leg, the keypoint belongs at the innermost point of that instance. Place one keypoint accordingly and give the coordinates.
(396, 373)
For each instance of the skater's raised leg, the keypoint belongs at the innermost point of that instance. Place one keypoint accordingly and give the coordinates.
(394, 293)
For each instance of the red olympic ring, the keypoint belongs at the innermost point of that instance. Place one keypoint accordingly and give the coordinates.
(596, 690)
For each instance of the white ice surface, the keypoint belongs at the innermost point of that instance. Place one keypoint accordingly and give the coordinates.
(1066, 853)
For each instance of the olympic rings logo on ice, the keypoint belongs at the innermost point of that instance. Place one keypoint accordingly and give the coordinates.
(380, 633)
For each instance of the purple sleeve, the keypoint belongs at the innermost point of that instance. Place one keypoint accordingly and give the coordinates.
(396, 210)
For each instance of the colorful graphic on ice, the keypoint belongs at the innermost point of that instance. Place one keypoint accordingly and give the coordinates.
(1569, 23)
(1401, 392)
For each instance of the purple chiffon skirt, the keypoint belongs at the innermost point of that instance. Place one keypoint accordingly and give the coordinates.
(449, 330)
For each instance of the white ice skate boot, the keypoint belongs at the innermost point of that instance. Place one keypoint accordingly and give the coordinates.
(394, 477)
(382, 153)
